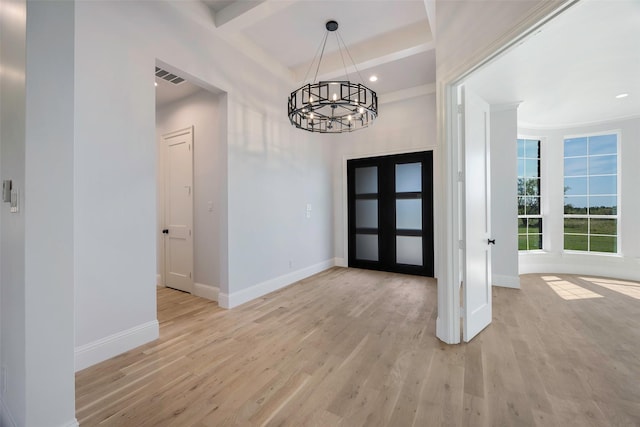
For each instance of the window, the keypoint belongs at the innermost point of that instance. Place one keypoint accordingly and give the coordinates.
(529, 212)
(591, 193)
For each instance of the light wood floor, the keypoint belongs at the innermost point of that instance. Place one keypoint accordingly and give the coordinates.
(358, 348)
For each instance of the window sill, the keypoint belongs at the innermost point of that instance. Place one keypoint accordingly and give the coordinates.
(605, 254)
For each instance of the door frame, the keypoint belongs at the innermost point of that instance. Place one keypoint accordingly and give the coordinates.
(344, 261)
(448, 324)
(387, 197)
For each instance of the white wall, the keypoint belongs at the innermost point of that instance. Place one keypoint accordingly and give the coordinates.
(504, 212)
(202, 111)
(37, 242)
(403, 126)
(273, 171)
(12, 157)
(49, 214)
(553, 259)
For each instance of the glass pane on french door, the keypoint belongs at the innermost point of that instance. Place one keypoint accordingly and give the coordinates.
(367, 247)
(409, 250)
(408, 195)
(408, 177)
(409, 214)
(367, 180)
(366, 214)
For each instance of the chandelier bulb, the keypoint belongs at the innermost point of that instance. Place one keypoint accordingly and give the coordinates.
(335, 97)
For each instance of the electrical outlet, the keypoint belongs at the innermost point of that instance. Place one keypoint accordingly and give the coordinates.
(14, 201)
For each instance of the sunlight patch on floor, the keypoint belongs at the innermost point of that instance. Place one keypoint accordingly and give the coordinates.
(630, 289)
(568, 290)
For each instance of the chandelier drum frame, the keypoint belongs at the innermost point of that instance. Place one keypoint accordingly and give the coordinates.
(332, 106)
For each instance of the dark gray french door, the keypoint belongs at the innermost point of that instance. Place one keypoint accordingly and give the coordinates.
(390, 203)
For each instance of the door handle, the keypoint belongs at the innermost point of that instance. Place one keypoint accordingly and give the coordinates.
(491, 241)
(165, 231)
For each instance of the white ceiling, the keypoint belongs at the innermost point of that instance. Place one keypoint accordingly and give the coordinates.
(293, 35)
(389, 38)
(570, 72)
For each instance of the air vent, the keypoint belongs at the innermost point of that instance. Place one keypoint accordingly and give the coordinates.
(170, 77)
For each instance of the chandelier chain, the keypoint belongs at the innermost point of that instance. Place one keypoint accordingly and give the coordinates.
(313, 61)
(342, 57)
(350, 57)
(321, 55)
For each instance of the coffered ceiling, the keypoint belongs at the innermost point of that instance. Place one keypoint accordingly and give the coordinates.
(391, 39)
(568, 73)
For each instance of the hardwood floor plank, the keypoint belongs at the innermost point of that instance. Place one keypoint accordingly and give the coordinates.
(356, 348)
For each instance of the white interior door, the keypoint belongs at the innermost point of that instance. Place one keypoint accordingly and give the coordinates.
(178, 209)
(477, 216)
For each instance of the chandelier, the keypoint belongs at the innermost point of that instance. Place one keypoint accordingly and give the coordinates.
(333, 106)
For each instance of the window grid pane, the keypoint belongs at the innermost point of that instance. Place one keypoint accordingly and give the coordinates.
(591, 193)
(529, 195)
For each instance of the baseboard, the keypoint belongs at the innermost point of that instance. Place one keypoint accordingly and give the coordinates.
(443, 334)
(340, 262)
(6, 420)
(256, 291)
(159, 281)
(113, 345)
(506, 281)
(206, 291)
(613, 266)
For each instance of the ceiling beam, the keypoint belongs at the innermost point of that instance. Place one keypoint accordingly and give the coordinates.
(430, 7)
(202, 14)
(405, 42)
(242, 14)
(196, 11)
(374, 62)
(259, 55)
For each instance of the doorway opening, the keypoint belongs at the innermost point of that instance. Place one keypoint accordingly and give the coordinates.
(513, 79)
(191, 135)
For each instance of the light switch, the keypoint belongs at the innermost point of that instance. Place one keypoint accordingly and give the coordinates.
(14, 201)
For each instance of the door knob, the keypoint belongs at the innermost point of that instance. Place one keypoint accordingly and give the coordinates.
(165, 231)
(491, 241)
